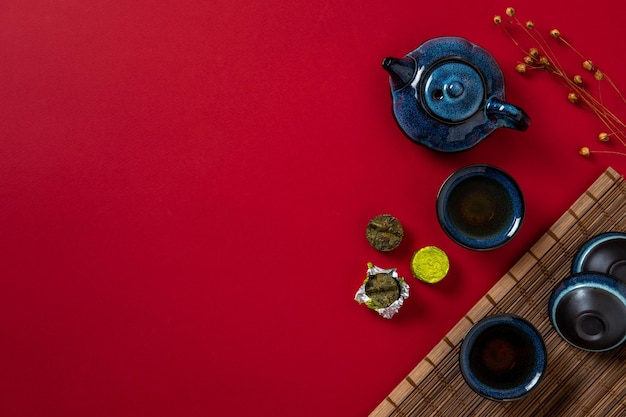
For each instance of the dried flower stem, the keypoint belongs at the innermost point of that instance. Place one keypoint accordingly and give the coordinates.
(606, 77)
(542, 57)
(610, 152)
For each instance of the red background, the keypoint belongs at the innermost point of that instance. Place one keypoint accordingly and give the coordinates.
(184, 189)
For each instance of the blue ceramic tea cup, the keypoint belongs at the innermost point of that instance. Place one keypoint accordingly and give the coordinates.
(503, 357)
(588, 310)
(604, 253)
(480, 207)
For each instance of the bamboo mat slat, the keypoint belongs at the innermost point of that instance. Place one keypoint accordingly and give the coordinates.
(577, 383)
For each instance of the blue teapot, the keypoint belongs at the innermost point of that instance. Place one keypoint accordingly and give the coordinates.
(448, 94)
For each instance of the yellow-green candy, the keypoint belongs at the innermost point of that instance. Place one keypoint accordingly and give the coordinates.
(430, 264)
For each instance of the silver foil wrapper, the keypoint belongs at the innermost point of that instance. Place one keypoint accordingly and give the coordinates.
(388, 312)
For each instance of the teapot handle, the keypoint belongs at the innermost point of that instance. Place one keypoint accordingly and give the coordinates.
(506, 115)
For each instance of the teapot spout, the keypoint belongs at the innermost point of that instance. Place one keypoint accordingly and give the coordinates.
(401, 70)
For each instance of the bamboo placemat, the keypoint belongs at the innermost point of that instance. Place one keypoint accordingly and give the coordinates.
(577, 383)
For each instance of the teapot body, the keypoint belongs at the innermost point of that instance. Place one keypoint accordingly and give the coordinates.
(448, 94)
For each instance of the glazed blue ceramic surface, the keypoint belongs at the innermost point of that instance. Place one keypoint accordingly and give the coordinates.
(605, 253)
(448, 94)
(474, 188)
(507, 384)
(588, 310)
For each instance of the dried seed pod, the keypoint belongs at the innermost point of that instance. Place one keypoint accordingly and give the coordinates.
(573, 98)
(529, 60)
(543, 60)
(585, 152)
(555, 33)
(510, 11)
(577, 79)
(598, 75)
(521, 68)
(530, 24)
(588, 65)
(603, 137)
(533, 52)
(497, 19)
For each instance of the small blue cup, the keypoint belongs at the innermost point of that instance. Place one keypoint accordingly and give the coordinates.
(604, 253)
(503, 357)
(588, 310)
(480, 207)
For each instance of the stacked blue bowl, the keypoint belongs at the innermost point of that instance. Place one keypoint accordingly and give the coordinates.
(588, 309)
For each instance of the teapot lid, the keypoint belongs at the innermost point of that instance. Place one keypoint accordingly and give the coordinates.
(452, 91)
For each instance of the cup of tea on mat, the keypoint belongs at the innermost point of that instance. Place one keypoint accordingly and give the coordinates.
(588, 310)
(503, 357)
(480, 207)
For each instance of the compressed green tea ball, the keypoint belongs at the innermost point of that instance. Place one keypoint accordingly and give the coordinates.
(383, 289)
(430, 264)
(384, 232)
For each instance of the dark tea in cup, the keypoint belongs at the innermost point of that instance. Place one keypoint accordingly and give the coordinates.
(502, 357)
(480, 207)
